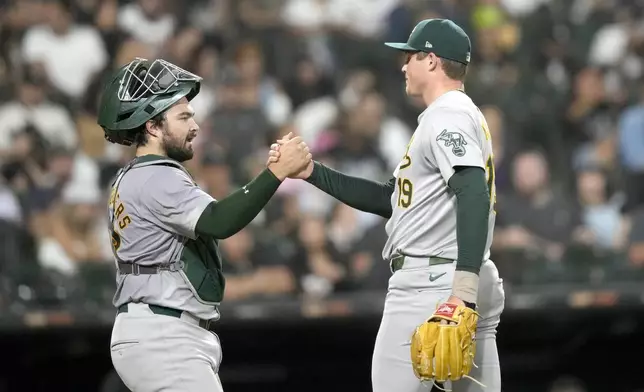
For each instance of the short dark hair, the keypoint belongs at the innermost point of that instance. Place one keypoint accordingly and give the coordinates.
(454, 70)
(65, 5)
(141, 137)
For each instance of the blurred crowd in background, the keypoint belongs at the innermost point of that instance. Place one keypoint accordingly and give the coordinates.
(560, 83)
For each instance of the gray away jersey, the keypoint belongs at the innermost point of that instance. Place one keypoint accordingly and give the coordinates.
(157, 209)
(451, 132)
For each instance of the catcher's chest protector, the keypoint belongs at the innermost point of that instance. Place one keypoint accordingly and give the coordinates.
(197, 260)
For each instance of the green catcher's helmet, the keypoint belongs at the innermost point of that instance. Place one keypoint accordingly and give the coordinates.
(138, 92)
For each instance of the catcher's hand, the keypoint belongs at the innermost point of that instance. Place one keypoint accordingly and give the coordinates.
(443, 347)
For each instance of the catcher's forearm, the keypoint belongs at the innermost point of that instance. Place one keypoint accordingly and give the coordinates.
(224, 218)
(359, 193)
(472, 217)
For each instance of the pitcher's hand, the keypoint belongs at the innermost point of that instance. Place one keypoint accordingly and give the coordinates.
(294, 158)
(274, 156)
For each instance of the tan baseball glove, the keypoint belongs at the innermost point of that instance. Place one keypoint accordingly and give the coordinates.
(443, 347)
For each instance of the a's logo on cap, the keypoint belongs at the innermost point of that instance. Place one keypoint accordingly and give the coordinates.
(467, 56)
(428, 45)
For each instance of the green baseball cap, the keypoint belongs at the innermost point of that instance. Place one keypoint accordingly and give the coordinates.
(442, 37)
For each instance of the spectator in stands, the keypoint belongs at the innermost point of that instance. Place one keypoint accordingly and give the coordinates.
(213, 17)
(636, 241)
(367, 269)
(604, 227)
(102, 14)
(308, 83)
(611, 41)
(319, 265)
(283, 214)
(357, 28)
(534, 220)
(183, 48)
(631, 147)
(251, 271)
(241, 124)
(52, 122)
(10, 209)
(390, 133)
(75, 230)
(261, 21)
(344, 228)
(590, 125)
(215, 174)
(69, 54)
(148, 21)
(358, 148)
(366, 143)
(17, 254)
(248, 61)
(208, 67)
(308, 23)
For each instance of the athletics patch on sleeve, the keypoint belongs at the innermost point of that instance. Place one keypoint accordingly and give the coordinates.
(454, 140)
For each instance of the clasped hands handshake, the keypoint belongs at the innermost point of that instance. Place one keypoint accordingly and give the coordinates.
(290, 157)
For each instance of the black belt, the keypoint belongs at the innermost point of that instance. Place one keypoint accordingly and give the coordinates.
(135, 269)
(165, 311)
(397, 261)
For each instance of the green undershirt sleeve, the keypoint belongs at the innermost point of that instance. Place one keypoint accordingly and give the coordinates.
(472, 216)
(224, 218)
(359, 193)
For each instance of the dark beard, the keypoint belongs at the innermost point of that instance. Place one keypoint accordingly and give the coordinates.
(178, 153)
(176, 150)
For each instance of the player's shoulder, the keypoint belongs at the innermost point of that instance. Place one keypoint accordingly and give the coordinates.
(451, 117)
(455, 103)
(167, 173)
(159, 177)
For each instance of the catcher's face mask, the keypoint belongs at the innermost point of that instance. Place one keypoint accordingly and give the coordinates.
(142, 79)
(139, 91)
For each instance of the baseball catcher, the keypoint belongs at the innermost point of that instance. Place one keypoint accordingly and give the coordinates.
(165, 231)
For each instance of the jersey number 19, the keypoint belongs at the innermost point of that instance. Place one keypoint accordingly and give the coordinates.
(405, 190)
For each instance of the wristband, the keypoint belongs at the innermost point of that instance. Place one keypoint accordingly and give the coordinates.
(466, 286)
